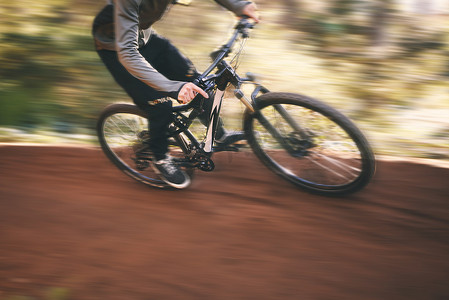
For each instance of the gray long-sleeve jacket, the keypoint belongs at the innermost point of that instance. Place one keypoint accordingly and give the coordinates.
(125, 26)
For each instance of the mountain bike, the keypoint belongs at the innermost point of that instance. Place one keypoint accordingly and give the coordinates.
(301, 139)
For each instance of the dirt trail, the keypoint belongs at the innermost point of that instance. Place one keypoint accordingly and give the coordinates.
(69, 219)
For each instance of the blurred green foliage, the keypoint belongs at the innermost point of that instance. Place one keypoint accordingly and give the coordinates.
(375, 60)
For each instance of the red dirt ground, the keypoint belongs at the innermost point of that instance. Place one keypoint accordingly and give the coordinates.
(69, 219)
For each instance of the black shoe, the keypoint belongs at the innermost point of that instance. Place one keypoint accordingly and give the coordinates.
(170, 173)
(230, 138)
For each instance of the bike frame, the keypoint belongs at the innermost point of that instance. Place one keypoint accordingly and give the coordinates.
(215, 85)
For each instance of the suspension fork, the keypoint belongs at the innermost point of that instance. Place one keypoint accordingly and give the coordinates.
(281, 110)
(274, 132)
(268, 126)
(254, 109)
(284, 113)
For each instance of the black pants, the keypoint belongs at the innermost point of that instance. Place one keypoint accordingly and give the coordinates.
(168, 61)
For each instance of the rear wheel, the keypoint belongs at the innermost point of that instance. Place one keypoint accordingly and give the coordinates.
(122, 130)
(309, 143)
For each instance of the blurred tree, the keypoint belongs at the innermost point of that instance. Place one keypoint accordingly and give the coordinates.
(379, 22)
(41, 54)
(292, 13)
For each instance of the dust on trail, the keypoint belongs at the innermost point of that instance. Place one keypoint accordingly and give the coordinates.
(69, 219)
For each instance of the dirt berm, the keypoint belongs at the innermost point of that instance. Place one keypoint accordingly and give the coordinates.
(71, 223)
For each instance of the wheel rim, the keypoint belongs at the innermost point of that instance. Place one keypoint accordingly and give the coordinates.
(323, 156)
(123, 135)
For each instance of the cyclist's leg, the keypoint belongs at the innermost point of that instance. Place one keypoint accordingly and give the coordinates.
(168, 60)
(159, 114)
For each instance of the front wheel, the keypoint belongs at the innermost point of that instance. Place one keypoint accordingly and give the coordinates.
(309, 144)
(122, 130)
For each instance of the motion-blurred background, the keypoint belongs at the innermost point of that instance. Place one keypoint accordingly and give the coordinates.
(384, 63)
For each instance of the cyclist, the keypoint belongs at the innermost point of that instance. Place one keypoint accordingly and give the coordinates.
(151, 70)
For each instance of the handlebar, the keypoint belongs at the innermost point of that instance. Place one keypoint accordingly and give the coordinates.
(241, 29)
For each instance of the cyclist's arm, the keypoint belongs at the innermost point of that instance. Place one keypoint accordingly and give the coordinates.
(240, 7)
(127, 36)
(236, 6)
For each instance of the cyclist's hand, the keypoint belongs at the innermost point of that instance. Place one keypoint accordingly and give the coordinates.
(250, 10)
(189, 91)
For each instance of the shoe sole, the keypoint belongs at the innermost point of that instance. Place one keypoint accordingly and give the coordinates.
(175, 185)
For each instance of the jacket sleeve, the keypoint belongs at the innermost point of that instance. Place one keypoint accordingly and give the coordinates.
(127, 35)
(236, 6)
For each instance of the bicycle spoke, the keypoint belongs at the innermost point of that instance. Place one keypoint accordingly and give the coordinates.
(114, 123)
(335, 172)
(339, 163)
